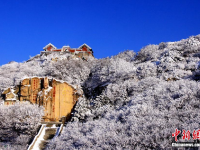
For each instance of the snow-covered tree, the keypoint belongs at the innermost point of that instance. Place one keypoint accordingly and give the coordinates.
(18, 124)
(130, 101)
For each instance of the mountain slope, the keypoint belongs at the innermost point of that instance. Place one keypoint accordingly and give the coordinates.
(137, 103)
(130, 101)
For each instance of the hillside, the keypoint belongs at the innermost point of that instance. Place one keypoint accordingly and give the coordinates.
(130, 101)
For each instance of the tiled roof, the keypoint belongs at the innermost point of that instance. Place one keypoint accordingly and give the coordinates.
(49, 45)
(85, 45)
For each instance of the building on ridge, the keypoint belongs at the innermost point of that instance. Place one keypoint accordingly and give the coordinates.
(82, 51)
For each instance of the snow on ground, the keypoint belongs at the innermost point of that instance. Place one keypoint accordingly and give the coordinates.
(38, 139)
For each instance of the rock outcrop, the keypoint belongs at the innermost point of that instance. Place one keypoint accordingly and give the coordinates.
(57, 97)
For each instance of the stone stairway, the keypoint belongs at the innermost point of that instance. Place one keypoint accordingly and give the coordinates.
(46, 133)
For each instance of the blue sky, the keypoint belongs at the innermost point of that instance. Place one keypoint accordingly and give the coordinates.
(108, 26)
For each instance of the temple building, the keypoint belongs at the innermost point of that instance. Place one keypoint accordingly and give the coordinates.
(82, 51)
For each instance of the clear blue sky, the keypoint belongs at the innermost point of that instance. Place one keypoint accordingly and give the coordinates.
(108, 26)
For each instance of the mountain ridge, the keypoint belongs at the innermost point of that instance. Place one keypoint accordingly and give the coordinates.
(130, 101)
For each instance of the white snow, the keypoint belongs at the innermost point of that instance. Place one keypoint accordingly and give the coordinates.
(38, 138)
(58, 131)
(48, 90)
(85, 45)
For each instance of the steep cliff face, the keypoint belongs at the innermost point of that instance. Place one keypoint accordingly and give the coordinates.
(57, 97)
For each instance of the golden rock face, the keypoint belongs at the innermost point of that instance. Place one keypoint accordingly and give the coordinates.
(57, 98)
(25, 82)
(46, 82)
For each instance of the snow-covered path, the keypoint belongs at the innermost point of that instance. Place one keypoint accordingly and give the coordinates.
(39, 138)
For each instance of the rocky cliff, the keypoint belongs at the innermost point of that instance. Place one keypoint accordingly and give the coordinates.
(57, 97)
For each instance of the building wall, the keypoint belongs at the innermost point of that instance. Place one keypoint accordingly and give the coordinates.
(49, 48)
(57, 50)
(84, 48)
(9, 102)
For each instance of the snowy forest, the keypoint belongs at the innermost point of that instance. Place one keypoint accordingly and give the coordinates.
(130, 101)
